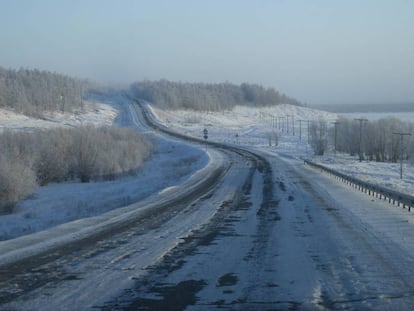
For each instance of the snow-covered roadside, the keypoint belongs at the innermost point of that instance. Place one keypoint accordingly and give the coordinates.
(249, 124)
(68, 232)
(55, 204)
(94, 113)
(170, 164)
(252, 126)
(383, 174)
(379, 173)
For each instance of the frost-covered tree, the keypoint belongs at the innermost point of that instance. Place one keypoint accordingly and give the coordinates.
(319, 136)
(378, 141)
(207, 97)
(33, 92)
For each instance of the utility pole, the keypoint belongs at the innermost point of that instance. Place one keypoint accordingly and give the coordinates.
(361, 120)
(287, 123)
(307, 144)
(293, 124)
(62, 100)
(402, 150)
(336, 133)
(308, 121)
(274, 121)
(300, 128)
(81, 96)
(281, 124)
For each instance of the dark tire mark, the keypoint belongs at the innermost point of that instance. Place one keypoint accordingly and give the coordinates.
(229, 279)
(174, 297)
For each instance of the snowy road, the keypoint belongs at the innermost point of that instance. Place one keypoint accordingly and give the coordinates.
(75, 266)
(273, 234)
(317, 245)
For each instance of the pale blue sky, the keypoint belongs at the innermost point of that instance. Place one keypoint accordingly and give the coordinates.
(318, 51)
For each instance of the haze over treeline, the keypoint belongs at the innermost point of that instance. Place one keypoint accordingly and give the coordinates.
(205, 96)
(368, 107)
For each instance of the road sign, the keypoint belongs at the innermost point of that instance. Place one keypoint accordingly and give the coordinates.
(205, 132)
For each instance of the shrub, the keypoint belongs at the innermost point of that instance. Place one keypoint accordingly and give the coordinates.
(17, 180)
(57, 155)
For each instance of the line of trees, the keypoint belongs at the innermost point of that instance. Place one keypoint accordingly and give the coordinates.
(207, 97)
(85, 153)
(33, 92)
(372, 140)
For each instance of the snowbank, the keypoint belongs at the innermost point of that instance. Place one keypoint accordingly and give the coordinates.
(94, 114)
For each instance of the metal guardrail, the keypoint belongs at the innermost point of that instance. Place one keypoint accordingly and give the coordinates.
(393, 197)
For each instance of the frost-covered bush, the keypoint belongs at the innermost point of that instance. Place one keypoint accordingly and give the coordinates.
(108, 151)
(58, 155)
(17, 180)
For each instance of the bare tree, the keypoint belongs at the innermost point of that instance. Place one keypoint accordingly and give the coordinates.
(319, 136)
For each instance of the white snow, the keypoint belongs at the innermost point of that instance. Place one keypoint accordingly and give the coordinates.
(70, 231)
(252, 126)
(384, 174)
(303, 246)
(55, 204)
(171, 164)
(94, 113)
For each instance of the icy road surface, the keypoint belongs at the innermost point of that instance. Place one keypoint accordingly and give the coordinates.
(317, 245)
(273, 234)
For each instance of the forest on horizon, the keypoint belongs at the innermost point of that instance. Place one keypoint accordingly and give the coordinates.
(207, 96)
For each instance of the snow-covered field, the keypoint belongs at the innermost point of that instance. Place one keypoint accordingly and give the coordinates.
(170, 164)
(249, 124)
(94, 113)
(320, 244)
(59, 203)
(253, 125)
(173, 162)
